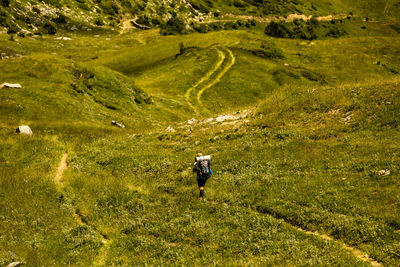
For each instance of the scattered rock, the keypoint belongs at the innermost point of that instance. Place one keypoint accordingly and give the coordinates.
(286, 65)
(191, 121)
(5, 56)
(63, 38)
(170, 130)
(348, 118)
(208, 120)
(24, 130)
(225, 117)
(118, 124)
(384, 172)
(15, 263)
(197, 143)
(10, 85)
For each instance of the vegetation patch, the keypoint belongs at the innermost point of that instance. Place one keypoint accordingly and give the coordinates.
(308, 30)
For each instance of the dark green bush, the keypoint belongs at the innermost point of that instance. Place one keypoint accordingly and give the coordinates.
(308, 30)
(5, 3)
(278, 29)
(174, 25)
(49, 28)
(61, 18)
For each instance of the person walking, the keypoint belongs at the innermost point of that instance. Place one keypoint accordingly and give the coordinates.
(202, 166)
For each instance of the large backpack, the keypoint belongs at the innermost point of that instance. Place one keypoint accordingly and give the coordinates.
(204, 168)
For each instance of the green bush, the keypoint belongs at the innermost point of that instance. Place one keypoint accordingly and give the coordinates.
(308, 30)
(50, 28)
(175, 25)
(5, 3)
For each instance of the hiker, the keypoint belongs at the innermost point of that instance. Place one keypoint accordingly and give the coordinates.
(202, 167)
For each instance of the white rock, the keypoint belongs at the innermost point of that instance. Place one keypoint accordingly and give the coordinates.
(170, 130)
(63, 38)
(10, 85)
(24, 130)
(191, 121)
(225, 117)
(120, 125)
(384, 172)
(14, 264)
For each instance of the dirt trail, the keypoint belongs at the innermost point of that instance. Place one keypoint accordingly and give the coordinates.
(61, 167)
(216, 80)
(79, 218)
(206, 77)
(288, 18)
(356, 252)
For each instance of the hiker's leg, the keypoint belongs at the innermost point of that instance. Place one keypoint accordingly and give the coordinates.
(202, 191)
(201, 183)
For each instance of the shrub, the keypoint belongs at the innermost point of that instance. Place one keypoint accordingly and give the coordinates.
(61, 18)
(36, 10)
(304, 30)
(174, 25)
(278, 29)
(99, 22)
(5, 3)
(49, 28)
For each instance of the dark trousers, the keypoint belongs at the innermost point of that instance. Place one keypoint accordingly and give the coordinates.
(201, 180)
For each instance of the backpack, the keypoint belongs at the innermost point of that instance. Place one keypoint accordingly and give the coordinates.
(204, 168)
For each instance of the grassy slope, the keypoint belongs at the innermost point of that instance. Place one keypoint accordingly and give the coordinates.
(138, 189)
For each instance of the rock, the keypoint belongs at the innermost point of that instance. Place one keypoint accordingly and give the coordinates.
(384, 172)
(63, 38)
(170, 130)
(208, 120)
(225, 117)
(286, 65)
(191, 121)
(15, 263)
(10, 85)
(118, 124)
(197, 143)
(24, 130)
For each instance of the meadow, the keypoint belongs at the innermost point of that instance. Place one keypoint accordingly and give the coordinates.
(320, 120)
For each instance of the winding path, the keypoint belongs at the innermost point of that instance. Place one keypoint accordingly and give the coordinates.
(80, 220)
(207, 81)
(355, 251)
(217, 79)
(206, 77)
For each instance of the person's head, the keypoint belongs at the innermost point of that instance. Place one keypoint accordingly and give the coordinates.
(199, 155)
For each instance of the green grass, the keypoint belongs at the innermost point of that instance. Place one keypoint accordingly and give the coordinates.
(324, 122)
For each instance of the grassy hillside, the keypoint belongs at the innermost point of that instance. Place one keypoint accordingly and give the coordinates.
(303, 135)
(52, 17)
